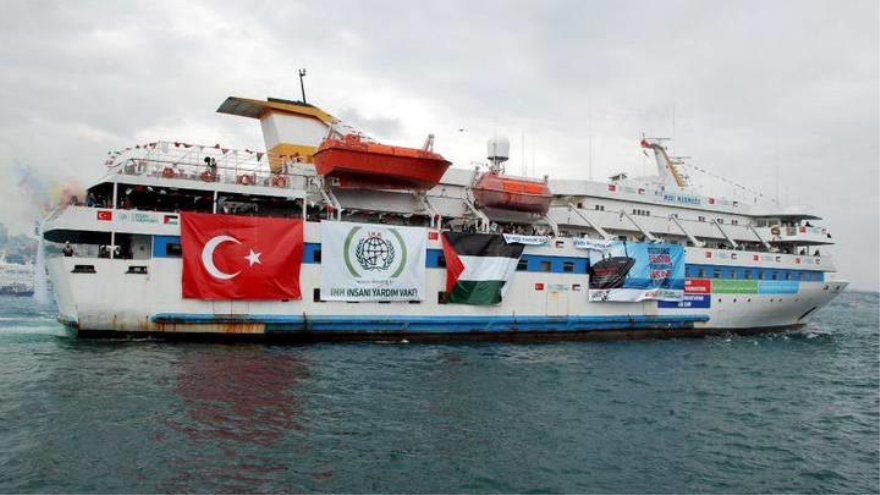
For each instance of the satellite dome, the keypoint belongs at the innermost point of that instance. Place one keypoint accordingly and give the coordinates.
(498, 149)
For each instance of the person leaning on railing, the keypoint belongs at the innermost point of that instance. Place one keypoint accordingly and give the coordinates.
(210, 173)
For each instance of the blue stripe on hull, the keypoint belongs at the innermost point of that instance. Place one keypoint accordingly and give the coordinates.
(435, 324)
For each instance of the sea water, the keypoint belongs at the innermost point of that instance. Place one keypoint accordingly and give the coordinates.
(795, 412)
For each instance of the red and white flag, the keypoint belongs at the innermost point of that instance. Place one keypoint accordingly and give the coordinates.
(233, 257)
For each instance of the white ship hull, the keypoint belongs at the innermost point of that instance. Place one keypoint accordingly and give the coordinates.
(112, 301)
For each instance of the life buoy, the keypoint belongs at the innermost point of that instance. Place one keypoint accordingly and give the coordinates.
(775, 231)
(279, 181)
(168, 173)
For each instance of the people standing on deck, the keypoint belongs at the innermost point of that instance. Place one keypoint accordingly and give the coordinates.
(67, 251)
(210, 173)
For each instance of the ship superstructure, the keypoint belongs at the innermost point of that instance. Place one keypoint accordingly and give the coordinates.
(570, 248)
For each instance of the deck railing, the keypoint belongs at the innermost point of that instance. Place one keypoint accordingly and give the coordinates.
(209, 164)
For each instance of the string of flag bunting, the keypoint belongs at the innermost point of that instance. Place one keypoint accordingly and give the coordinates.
(728, 181)
(164, 145)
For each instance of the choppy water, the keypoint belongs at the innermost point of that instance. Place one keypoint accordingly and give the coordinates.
(782, 413)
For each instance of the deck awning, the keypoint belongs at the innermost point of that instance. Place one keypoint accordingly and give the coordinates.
(256, 109)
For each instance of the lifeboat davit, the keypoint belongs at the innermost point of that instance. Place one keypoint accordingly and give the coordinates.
(358, 163)
(494, 190)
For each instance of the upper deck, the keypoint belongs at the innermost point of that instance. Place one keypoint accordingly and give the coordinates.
(172, 177)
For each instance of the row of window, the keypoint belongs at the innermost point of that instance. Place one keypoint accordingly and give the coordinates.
(527, 263)
(647, 213)
(738, 273)
(170, 247)
(719, 220)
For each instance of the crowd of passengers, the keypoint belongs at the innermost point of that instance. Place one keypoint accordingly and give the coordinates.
(103, 251)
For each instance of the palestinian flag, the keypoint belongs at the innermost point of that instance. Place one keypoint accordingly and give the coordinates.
(478, 267)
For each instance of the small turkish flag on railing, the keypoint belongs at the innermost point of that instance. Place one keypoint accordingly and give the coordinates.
(233, 257)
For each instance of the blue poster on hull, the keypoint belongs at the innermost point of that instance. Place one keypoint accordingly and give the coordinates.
(690, 301)
(628, 271)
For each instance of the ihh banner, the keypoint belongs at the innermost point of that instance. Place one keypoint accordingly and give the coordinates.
(636, 272)
(368, 262)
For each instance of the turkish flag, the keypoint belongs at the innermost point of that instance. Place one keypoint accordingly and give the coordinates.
(233, 257)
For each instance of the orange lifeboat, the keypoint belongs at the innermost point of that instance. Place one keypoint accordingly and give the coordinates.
(357, 163)
(494, 190)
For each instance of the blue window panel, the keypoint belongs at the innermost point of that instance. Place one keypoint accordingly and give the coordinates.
(534, 263)
(692, 271)
(160, 245)
(432, 258)
(557, 263)
(309, 251)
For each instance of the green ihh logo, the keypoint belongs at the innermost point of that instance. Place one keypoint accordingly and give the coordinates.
(374, 251)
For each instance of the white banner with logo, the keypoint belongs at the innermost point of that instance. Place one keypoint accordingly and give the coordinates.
(368, 262)
(593, 244)
(528, 240)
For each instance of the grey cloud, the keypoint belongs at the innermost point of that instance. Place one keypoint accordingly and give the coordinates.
(380, 127)
(753, 85)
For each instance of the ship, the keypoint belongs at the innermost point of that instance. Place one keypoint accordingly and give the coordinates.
(330, 235)
(16, 279)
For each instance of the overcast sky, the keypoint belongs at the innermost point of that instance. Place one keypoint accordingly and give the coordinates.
(743, 87)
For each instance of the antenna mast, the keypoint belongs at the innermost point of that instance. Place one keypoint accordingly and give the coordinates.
(302, 86)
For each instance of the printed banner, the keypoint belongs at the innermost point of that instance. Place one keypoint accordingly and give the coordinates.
(478, 267)
(720, 286)
(593, 244)
(690, 301)
(637, 272)
(369, 262)
(529, 240)
(779, 287)
(697, 295)
(228, 257)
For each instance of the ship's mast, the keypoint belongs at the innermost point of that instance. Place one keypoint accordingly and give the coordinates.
(666, 166)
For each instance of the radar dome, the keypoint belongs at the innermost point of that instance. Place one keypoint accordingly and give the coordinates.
(498, 149)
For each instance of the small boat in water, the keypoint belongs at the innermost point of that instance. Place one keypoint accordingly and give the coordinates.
(494, 190)
(361, 164)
